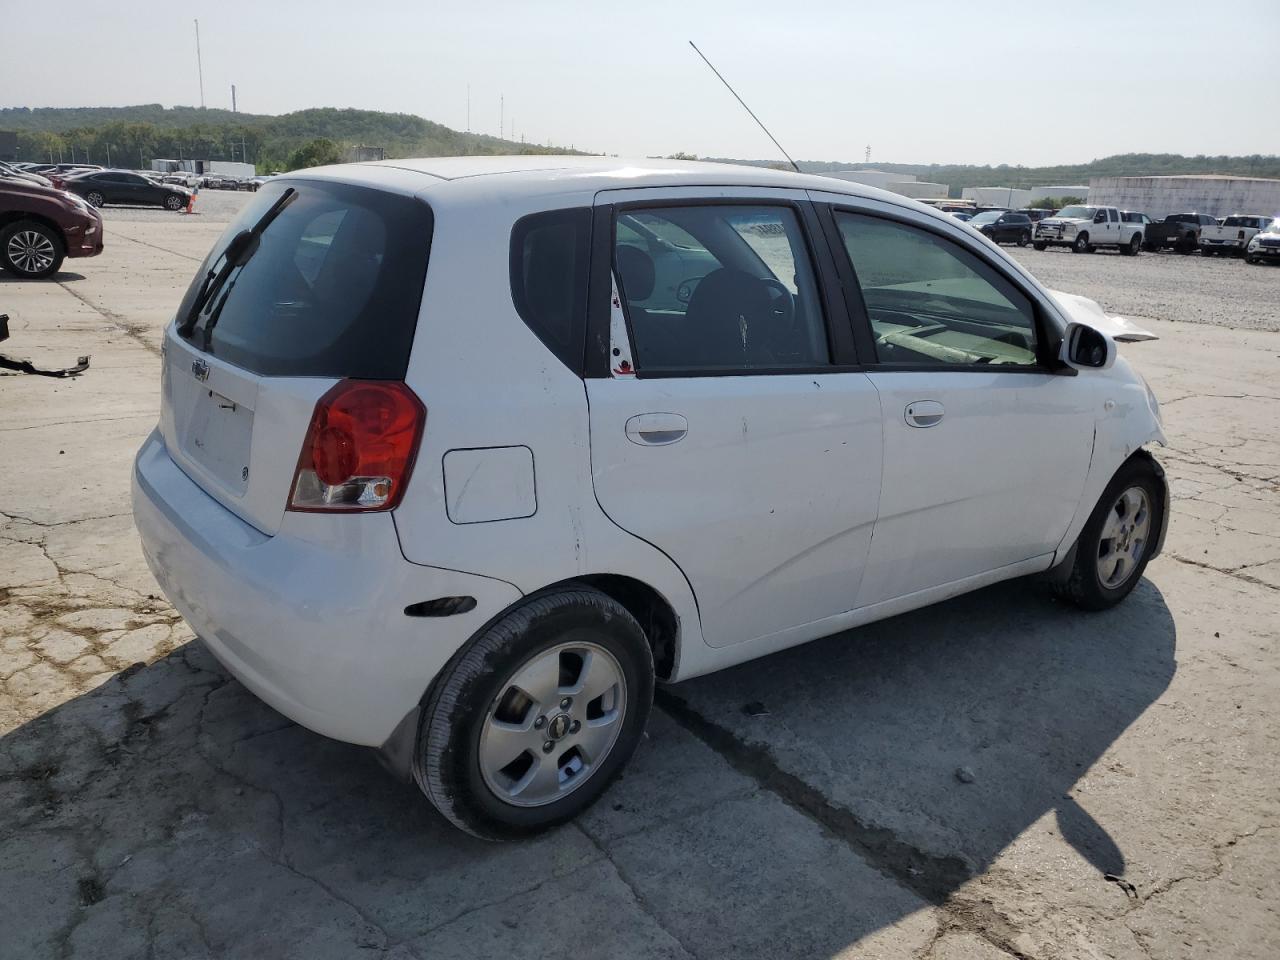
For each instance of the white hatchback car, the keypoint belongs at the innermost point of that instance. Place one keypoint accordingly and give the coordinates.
(457, 457)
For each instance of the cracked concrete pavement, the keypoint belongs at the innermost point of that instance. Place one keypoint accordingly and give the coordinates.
(1123, 799)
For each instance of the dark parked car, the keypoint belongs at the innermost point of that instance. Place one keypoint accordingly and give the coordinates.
(1038, 213)
(20, 173)
(1003, 226)
(122, 186)
(1178, 230)
(40, 225)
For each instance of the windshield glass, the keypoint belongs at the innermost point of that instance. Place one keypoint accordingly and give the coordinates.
(1077, 213)
(1272, 227)
(991, 216)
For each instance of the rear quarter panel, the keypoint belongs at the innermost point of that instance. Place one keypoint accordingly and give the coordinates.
(488, 382)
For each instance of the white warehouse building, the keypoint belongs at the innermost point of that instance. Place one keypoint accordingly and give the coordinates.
(903, 183)
(1015, 198)
(1217, 196)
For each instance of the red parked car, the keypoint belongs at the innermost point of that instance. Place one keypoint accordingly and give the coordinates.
(39, 226)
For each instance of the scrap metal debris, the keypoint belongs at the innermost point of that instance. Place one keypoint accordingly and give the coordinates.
(1129, 889)
(26, 366)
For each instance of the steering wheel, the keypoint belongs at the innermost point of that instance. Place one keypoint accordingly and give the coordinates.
(783, 303)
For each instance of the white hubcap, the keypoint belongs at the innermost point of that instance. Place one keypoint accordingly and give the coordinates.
(1124, 537)
(553, 722)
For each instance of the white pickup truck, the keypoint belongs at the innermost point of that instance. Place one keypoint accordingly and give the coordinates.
(1233, 235)
(1086, 228)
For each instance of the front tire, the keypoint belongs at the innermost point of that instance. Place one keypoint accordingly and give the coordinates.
(1040, 246)
(94, 198)
(531, 721)
(174, 202)
(31, 250)
(1081, 244)
(1118, 538)
(1024, 238)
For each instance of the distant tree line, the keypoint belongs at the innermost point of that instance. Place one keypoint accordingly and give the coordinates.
(134, 136)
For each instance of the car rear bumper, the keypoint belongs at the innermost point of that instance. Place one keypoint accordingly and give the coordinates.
(311, 619)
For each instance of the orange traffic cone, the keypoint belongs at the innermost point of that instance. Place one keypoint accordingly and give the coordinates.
(191, 203)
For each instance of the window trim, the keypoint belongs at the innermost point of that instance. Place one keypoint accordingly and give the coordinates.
(839, 330)
(1047, 339)
(571, 354)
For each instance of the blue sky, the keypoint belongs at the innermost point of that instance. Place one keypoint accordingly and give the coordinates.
(919, 81)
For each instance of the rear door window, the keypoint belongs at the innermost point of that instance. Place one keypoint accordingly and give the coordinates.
(719, 287)
(332, 291)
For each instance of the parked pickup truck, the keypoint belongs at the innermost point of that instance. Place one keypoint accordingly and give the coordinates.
(1086, 228)
(1233, 235)
(1178, 230)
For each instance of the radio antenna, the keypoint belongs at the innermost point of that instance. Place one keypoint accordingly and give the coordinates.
(794, 166)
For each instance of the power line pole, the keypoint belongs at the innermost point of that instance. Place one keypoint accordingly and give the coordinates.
(233, 98)
(502, 114)
(199, 65)
(468, 108)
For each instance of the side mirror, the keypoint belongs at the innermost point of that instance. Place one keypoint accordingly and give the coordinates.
(1083, 347)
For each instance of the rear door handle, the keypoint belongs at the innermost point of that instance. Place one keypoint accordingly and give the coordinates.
(924, 413)
(656, 429)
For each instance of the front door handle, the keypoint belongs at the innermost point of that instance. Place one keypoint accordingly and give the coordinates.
(924, 413)
(656, 429)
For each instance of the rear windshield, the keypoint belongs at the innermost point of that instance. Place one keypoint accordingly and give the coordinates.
(332, 291)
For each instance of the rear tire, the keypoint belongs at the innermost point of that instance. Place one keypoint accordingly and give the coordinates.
(1131, 248)
(513, 690)
(1117, 540)
(1081, 244)
(94, 198)
(1024, 238)
(31, 250)
(1187, 245)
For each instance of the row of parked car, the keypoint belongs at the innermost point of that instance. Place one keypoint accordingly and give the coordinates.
(1084, 228)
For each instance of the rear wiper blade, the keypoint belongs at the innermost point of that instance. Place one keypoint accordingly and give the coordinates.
(240, 248)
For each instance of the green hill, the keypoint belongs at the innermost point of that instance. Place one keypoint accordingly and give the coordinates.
(138, 134)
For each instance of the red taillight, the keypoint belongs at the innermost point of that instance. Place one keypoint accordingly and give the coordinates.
(359, 449)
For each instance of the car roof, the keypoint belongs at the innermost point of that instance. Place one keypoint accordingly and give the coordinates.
(530, 176)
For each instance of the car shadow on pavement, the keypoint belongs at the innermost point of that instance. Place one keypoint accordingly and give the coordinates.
(62, 276)
(169, 813)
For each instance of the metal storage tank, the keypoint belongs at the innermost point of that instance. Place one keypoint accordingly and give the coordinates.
(1215, 195)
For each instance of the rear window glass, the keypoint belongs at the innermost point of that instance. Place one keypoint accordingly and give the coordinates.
(549, 263)
(332, 291)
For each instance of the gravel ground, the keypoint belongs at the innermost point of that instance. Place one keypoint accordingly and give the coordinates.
(1165, 286)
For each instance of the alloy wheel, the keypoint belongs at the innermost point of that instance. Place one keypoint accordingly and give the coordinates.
(1124, 537)
(553, 722)
(30, 251)
(96, 199)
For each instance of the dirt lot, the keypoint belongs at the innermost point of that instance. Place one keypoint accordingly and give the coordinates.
(998, 776)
